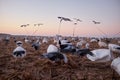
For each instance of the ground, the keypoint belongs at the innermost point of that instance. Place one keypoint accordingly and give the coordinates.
(32, 67)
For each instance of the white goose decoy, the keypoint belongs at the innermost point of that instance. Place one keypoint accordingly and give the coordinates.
(65, 41)
(87, 45)
(66, 47)
(114, 48)
(79, 44)
(36, 45)
(74, 38)
(102, 44)
(19, 43)
(116, 65)
(54, 55)
(83, 41)
(19, 52)
(93, 40)
(7, 39)
(52, 48)
(101, 55)
(45, 40)
(26, 40)
(57, 38)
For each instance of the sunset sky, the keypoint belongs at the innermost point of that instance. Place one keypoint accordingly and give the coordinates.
(14, 13)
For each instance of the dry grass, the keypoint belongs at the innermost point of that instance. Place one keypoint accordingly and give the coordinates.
(31, 67)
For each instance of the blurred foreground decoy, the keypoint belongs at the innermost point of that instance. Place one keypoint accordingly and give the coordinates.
(116, 65)
(19, 52)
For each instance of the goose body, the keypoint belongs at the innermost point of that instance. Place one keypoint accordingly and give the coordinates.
(87, 45)
(55, 56)
(83, 52)
(66, 47)
(79, 44)
(93, 40)
(45, 40)
(101, 55)
(26, 41)
(7, 39)
(116, 65)
(102, 44)
(52, 48)
(36, 45)
(19, 52)
(114, 48)
(65, 42)
(19, 43)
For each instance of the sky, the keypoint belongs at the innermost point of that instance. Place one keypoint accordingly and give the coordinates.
(14, 13)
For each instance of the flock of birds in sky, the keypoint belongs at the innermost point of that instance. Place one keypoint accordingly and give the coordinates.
(58, 52)
(75, 20)
(61, 19)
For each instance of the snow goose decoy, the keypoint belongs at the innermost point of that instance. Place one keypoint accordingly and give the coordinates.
(45, 40)
(7, 39)
(102, 44)
(19, 52)
(83, 52)
(114, 48)
(66, 47)
(26, 40)
(52, 48)
(36, 45)
(87, 45)
(79, 45)
(116, 65)
(101, 55)
(93, 40)
(54, 55)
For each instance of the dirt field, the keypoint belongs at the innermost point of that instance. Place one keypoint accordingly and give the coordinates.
(32, 67)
